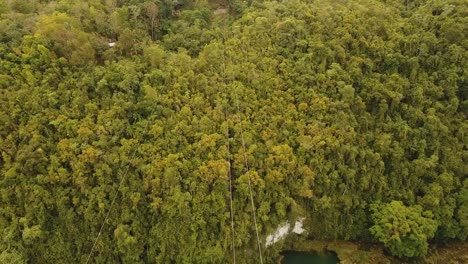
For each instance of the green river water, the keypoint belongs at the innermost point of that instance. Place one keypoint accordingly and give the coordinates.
(297, 257)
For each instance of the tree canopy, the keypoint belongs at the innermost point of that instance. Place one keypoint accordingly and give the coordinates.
(404, 230)
(353, 114)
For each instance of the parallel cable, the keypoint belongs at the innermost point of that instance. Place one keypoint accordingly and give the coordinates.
(124, 176)
(245, 154)
(245, 157)
(230, 186)
(248, 177)
(226, 120)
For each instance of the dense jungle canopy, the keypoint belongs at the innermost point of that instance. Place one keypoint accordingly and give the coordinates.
(353, 113)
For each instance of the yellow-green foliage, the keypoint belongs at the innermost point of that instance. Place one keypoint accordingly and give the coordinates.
(343, 104)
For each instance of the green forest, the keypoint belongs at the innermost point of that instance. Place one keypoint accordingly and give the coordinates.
(175, 131)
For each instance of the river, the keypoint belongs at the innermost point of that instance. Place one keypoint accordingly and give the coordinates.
(298, 257)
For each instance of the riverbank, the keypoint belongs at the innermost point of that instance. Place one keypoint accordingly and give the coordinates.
(350, 253)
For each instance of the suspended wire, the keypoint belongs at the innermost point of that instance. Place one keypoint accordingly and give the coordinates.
(230, 186)
(245, 156)
(229, 175)
(248, 177)
(124, 176)
(226, 120)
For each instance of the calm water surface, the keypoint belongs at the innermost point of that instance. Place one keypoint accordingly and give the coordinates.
(297, 257)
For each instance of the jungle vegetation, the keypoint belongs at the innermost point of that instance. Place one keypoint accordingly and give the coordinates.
(354, 115)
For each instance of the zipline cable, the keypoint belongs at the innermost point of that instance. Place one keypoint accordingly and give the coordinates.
(226, 120)
(248, 177)
(230, 186)
(124, 176)
(245, 157)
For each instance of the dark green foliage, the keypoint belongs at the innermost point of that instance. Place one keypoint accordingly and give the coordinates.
(343, 104)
